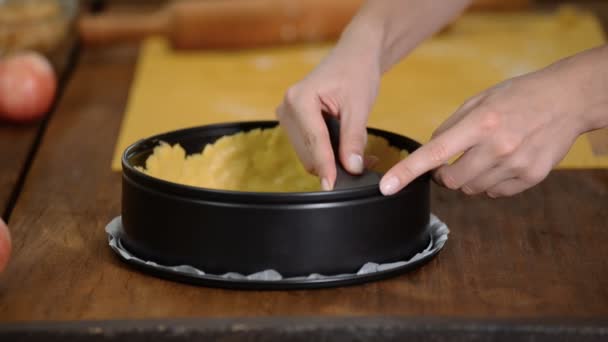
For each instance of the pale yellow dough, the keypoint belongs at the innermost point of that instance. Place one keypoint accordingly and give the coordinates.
(258, 160)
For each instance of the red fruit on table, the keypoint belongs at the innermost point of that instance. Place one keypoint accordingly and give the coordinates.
(5, 245)
(27, 87)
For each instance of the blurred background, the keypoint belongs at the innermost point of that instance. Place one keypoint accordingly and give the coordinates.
(53, 26)
(57, 29)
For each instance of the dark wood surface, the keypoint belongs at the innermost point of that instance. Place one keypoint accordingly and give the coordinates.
(304, 329)
(538, 255)
(16, 141)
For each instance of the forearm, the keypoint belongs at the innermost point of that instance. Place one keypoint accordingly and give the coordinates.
(387, 30)
(592, 69)
(580, 87)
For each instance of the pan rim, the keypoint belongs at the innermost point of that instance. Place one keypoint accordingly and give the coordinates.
(132, 174)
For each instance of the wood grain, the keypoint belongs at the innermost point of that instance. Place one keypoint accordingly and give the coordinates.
(16, 142)
(539, 254)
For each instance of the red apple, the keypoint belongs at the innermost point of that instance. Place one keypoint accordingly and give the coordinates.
(27, 87)
(5, 245)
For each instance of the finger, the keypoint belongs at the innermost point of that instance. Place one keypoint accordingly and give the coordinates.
(460, 113)
(353, 137)
(472, 164)
(487, 180)
(508, 187)
(435, 153)
(308, 134)
(436, 178)
(515, 166)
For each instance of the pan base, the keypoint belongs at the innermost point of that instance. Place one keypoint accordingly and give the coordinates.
(272, 280)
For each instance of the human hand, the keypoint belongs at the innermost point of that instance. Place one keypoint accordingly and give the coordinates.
(5, 245)
(345, 85)
(508, 138)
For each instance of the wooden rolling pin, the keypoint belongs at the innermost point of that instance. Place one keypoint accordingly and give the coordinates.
(499, 5)
(225, 24)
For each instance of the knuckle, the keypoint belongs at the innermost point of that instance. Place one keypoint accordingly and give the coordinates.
(490, 121)
(518, 166)
(438, 153)
(534, 175)
(289, 105)
(506, 145)
(292, 95)
(448, 180)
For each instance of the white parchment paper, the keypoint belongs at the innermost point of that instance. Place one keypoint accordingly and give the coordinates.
(439, 235)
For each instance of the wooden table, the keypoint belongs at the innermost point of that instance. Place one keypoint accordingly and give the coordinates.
(531, 266)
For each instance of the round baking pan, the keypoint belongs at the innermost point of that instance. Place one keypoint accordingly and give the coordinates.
(296, 234)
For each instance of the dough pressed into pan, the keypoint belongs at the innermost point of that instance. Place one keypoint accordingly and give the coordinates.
(260, 160)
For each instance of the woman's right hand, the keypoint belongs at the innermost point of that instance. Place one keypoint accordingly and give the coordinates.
(345, 85)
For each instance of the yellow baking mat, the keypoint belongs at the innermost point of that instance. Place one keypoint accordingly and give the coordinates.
(177, 89)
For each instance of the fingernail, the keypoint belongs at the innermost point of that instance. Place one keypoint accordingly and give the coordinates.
(389, 186)
(325, 184)
(355, 163)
